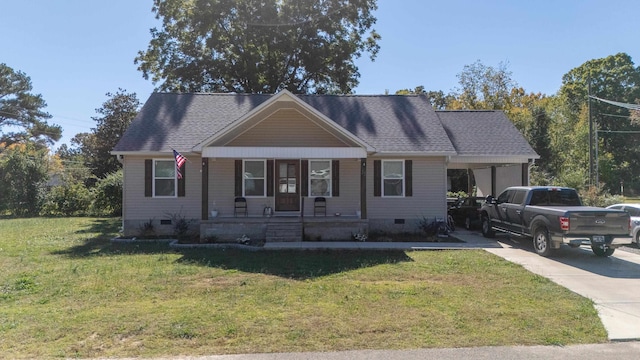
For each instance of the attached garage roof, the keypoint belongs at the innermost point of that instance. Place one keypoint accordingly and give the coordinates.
(484, 133)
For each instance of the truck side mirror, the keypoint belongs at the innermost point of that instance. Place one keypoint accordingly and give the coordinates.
(491, 200)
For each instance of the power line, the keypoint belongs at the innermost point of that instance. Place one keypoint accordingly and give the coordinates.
(53, 117)
(621, 116)
(619, 131)
(617, 103)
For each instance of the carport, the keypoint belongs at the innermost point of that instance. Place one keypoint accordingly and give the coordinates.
(490, 148)
(492, 178)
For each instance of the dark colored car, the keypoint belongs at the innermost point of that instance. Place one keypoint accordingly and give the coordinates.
(466, 211)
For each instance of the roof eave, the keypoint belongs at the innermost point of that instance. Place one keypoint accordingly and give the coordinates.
(151, 153)
(412, 153)
(493, 158)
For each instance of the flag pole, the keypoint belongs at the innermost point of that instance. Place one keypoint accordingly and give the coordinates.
(189, 161)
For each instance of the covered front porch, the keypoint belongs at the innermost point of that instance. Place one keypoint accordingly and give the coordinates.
(272, 194)
(281, 228)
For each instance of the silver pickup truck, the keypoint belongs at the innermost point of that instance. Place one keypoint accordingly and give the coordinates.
(552, 216)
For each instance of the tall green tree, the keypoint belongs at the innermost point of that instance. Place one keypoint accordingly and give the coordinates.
(71, 166)
(539, 137)
(484, 87)
(115, 117)
(259, 46)
(614, 78)
(107, 194)
(23, 176)
(21, 109)
(438, 99)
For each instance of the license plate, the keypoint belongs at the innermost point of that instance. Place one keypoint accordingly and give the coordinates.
(598, 239)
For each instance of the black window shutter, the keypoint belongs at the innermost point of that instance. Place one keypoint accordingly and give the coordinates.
(269, 177)
(148, 177)
(335, 178)
(181, 182)
(304, 178)
(377, 178)
(238, 180)
(408, 178)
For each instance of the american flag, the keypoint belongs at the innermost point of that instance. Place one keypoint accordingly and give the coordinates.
(179, 162)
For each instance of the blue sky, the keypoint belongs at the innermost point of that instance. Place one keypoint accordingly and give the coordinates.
(75, 51)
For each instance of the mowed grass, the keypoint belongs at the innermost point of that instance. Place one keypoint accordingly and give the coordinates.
(67, 291)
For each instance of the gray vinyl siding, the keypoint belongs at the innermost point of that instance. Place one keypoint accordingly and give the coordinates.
(348, 202)
(140, 209)
(222, 188)
(428, 200)
(287, 128)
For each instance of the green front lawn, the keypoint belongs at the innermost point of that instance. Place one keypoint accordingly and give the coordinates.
(66, 291)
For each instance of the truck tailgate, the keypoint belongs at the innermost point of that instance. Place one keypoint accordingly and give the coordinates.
(599, 222)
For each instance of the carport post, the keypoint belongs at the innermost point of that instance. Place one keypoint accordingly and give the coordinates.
(525, 174)
(493, 181)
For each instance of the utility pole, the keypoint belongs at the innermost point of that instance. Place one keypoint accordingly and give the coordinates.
(590, 136)
(596, 166)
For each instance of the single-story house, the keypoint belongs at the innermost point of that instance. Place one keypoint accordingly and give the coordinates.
(379, 162)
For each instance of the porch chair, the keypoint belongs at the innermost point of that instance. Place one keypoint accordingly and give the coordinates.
(240, 207)
(320, 206)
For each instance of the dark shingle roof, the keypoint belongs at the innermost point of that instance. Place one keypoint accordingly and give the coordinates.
(402, 124)
(388, 123)
(181, 121)
(484, 133)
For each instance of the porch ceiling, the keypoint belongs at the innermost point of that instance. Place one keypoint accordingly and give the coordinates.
(241, 152)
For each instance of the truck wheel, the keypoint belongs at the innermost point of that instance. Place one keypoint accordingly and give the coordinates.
(542, 242)
(602, 252)
(486, 227)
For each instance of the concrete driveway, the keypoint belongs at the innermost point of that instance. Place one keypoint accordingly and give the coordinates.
(612, 283)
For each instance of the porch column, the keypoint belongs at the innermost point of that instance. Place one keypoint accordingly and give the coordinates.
(469, 182)
(205, 189)
(363, 188)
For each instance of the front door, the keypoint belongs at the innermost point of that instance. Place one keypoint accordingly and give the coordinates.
(287, 185)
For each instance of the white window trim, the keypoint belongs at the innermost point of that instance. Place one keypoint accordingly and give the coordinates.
(154, 178)
(264, 171)
(330, 178)
(403, 178)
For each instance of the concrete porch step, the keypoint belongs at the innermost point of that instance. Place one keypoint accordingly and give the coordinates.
(284, 232)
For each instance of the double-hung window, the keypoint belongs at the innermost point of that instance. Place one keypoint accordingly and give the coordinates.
(164, 178)
(392, 178)
(320, 177)
(254, 180)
